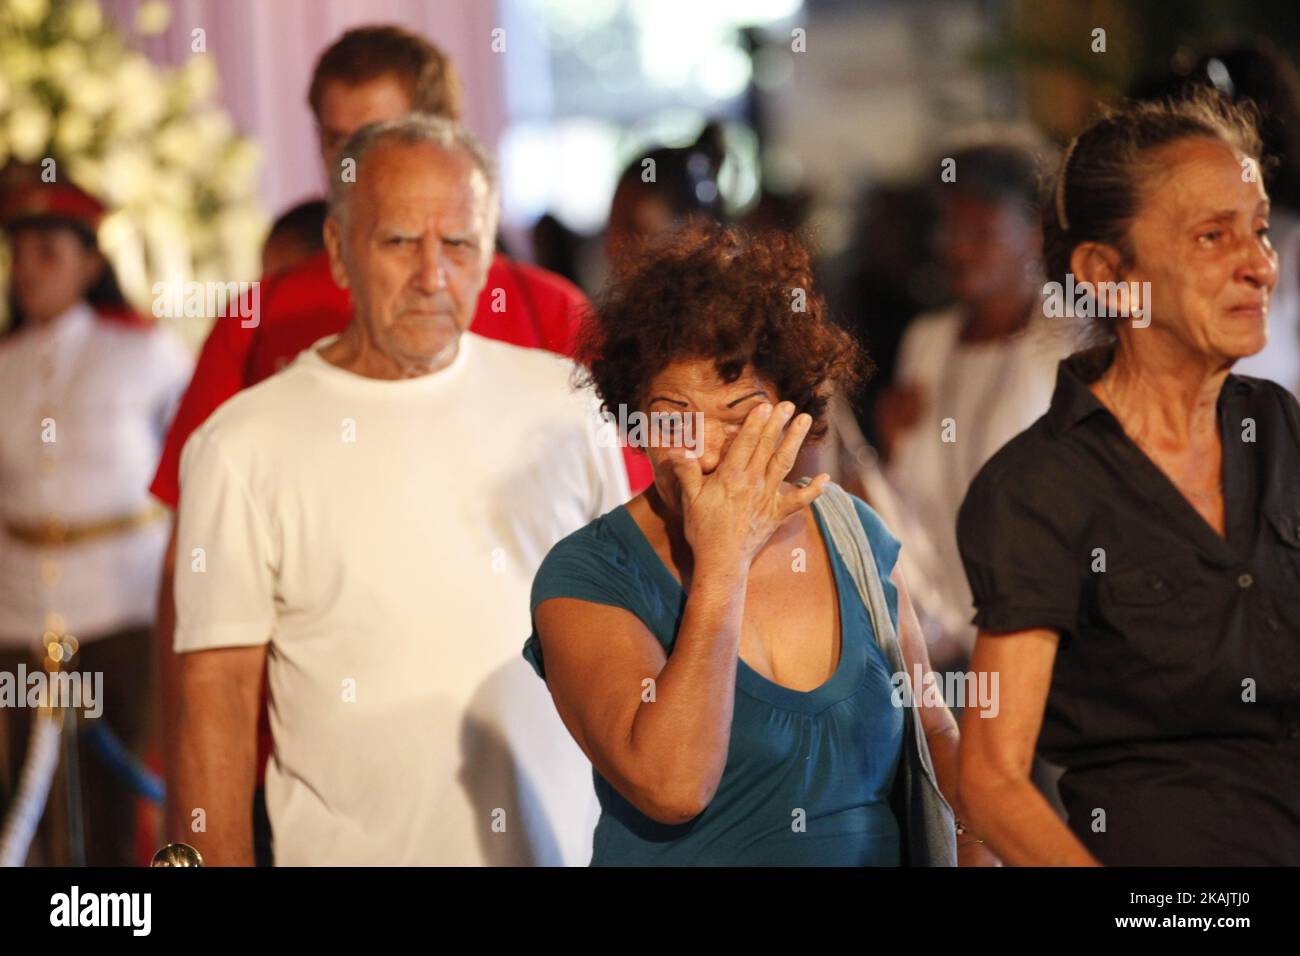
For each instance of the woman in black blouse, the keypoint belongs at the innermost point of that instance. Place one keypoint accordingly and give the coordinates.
(1135, 554)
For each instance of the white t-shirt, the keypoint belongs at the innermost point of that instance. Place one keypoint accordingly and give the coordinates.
(991, 390)
(383, 536)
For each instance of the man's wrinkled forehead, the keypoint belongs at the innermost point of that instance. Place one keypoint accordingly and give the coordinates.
(409, 182)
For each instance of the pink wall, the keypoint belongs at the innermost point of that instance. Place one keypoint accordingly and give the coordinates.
(265, 51)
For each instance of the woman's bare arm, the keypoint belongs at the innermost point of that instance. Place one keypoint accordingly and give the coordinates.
(657, 728)
(937, 720)
(941, 733)
(997, 753)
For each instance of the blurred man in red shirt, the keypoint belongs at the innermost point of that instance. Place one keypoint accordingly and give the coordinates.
(370, 74)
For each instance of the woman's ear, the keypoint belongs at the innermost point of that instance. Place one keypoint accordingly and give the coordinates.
(1095, 262)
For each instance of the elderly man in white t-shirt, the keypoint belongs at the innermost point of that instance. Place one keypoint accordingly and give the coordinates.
(367, 523)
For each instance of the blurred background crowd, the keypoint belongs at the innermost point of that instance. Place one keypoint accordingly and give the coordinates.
(188, 121)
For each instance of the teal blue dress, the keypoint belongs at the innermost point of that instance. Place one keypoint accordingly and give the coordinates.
(808, 774)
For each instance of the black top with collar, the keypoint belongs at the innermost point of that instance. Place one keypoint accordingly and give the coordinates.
(1175, 697)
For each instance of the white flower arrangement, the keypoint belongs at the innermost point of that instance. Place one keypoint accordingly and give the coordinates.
(149, 142)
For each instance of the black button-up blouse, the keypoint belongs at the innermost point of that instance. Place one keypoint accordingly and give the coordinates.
(1175, 697)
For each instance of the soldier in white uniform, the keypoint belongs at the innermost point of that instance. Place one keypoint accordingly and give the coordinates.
(87, 391)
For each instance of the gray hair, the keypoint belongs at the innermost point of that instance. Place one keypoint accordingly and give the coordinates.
(410, 130)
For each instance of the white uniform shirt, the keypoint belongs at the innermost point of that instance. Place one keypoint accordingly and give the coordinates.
(86, 403)
(382, 536)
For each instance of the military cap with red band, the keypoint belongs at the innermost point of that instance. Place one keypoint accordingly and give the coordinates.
(36, 201)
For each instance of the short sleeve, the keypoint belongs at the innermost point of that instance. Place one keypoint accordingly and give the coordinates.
(1016, 550)
(218, 375)
(225, 557)
(885, 548)
(584, 566)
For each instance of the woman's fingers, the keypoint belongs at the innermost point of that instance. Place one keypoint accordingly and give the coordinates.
(771, 434)
(742, 449)
(802, 496)
(686, 468)
(783, 459)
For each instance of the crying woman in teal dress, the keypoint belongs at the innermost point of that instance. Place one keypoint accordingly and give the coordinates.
(705, 644)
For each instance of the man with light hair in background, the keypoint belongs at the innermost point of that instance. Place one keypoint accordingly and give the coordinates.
(368, 522)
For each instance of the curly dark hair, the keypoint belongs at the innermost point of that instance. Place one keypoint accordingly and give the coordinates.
(708, 291)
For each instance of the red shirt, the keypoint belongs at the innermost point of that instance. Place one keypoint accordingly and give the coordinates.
(535, 309)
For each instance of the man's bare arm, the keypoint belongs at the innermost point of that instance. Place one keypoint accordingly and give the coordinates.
(216, 753)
